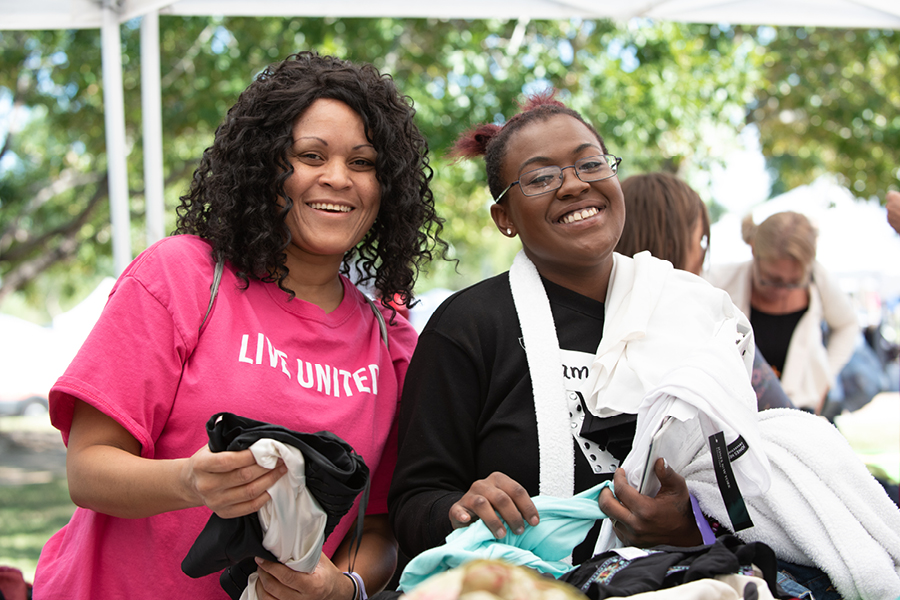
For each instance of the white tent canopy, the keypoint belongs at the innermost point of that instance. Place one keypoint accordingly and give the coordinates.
(71, 14)
(109, 14)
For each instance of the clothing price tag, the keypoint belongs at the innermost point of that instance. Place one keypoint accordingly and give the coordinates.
(728, 487)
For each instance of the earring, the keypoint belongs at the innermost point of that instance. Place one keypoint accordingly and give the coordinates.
(508, 231)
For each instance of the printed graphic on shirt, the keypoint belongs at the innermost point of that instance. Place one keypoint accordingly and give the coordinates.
(329, 380)
(579, 382)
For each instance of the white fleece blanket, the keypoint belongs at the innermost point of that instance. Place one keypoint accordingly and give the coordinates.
(823, 507)
(292, 521)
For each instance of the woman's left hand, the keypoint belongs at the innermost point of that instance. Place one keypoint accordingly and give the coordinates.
(326, 582)
(643, 521)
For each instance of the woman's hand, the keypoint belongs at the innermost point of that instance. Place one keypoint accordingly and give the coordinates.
(326, 582)
(107, 474)
(229, 483)
(495, 494)
(643, 521)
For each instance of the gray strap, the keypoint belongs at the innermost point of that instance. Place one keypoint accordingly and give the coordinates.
(214, 288)
(381, 324)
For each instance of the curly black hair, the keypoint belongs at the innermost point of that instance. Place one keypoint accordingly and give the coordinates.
(232, 198)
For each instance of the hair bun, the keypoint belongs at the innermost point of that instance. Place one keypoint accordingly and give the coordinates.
(748, 229)
(474, 142)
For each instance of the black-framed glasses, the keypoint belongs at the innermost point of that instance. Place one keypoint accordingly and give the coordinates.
(548, 179)
(781, 285)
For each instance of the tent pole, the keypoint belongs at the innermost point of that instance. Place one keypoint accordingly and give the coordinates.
(151, 112)
(114, 110)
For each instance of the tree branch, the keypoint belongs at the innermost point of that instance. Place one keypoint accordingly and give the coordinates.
(66, 181)
(26, 271)
(20, 251)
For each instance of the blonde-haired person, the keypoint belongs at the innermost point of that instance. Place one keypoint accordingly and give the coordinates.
(665, 216)
(788, 295)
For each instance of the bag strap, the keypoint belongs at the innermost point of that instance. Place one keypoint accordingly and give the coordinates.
(214, 288)
(381, 324)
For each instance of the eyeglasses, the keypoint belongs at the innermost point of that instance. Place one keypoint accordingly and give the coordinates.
(781, 285)
(548, 179)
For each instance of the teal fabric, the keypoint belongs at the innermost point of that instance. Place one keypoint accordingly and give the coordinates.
(564, 524)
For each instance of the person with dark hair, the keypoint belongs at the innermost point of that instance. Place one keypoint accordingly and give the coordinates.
(670, 220)
(533, 381)
(249, 310)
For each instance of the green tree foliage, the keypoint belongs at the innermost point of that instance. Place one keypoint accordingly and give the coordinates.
(830, 103)
(664, 96)
(53, 183)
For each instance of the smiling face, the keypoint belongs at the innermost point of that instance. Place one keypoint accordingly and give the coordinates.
(334, 189)
(569, 233)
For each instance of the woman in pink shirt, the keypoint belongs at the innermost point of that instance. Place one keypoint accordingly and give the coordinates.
(318, 166)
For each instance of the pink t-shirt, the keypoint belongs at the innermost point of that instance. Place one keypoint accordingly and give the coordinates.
(147, 365)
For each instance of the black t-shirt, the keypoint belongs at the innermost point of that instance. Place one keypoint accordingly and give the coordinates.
(468, 408)
(773, 335)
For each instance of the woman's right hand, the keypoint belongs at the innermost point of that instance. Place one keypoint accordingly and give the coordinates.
(229, 483)
(495, 494)
(107, 474)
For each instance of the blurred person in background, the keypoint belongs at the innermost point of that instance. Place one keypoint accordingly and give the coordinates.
(788, 296)
(666, 217)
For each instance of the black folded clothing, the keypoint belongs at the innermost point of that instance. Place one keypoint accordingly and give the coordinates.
(610, 575)
(335, 475)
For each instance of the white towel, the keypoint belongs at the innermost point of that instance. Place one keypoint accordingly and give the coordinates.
(823, 507)
(674, 345)
(658, 318)
(293, 522)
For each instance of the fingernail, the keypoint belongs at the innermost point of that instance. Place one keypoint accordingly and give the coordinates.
(520, 531)
(534, 520)
(258, 560)
(464, 518)
(500, 533)
(665, 462)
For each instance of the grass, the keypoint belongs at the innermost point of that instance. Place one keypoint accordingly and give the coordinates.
(29, 515)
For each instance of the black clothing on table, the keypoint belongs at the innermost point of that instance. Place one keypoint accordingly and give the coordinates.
(610, 575)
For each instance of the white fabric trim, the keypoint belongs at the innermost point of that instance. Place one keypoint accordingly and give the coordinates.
(555, 446)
